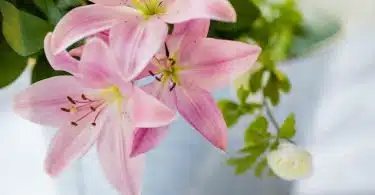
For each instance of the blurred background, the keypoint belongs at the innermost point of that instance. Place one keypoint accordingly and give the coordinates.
(332, 97)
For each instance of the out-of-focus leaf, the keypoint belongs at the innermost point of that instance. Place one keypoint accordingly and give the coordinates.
(23, 32)
(251, 107)
(259, 167)
(288, 129)
(271, 90)
(256, 80)
(257, 131)
(231, 111)
(66, 4)
(242, 94)
(48, 7)
(242, 164)
(42, 70)
(12, 65)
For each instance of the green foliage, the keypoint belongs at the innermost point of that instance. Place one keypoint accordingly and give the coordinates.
(23, 32)
(231, 111)
(288, 129)
(49, 8)
(257, 131)
(12, 65)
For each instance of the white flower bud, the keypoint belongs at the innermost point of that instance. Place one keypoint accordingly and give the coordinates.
(290, 162)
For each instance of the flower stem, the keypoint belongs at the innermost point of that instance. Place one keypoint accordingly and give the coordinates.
(270, 115)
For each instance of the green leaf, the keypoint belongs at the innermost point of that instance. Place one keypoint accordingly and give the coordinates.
(250, 108)
(257, 131)
(12, 65)
(271, 90)
(42, 70)
(283, 81)
(256, 148)
(66, 4)
(231, 112)
(23, 32)
(259, 168)
(242, 94)
(288, 129)
(256, 80)
(242, 164)
(50, 9)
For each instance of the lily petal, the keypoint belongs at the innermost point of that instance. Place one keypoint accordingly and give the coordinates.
(114, 145)
(97, 64)
(199, 108)
(184, 10)
(87, 20)
(146, 139)
(37, 104)
(135, 43)
(213, 63)
(196, 28)
(148, 112)
(109, 2)
(69, 143)
(61, 61)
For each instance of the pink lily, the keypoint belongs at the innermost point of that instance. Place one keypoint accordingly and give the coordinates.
(190, 67)
(93, 105)
(145, 20)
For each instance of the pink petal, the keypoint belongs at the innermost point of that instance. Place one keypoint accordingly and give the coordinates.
(109, 2)
(196, 28)
(42, 102)
(184, 10)
(69, 143)
(114, 144)
(146, 139)
(97, 64)
(199, 108)
(147, 111)
(213, 63)
(88, 20)
(61, 61)
(135, 43)
(76, 51)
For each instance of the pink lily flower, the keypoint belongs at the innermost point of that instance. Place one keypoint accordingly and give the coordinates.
(93, 105)
(145, 20)
(185, 72)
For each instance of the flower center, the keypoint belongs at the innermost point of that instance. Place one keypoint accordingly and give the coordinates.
(92, 106)
(150, 7)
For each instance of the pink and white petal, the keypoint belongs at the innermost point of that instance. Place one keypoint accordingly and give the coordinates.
(146, 139)
(135, 43)
(77, 51)
(37, 104)
(114, 145)
(196, 28)
(184, 10)
(147, 111)
(61, 61)
(87, 20)
(213, 63)
(97, 64)
(199, 108)
(110, 2)
(69, 143)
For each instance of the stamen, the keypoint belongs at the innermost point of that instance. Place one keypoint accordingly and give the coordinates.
(152, 74)
(161, 2)
(173, 62)
(166, 49)
(74, 123)
(92, 108)
(173, 86)
(71, 100)
(93, 124)
(65, 109)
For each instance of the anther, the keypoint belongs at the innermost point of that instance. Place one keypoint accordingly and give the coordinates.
(161, 2)
(151, 73)
(71, 100)
(173, 86)
(84, 97)
(93, 124)
(92, 108)
(74, 123)
(65, 109)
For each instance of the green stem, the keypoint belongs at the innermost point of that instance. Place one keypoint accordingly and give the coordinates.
(270, 115)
